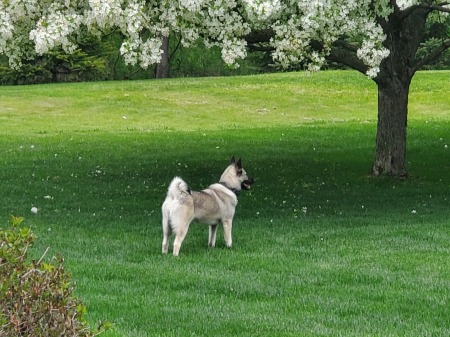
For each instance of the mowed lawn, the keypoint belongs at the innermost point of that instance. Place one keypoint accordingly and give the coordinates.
(320, 247)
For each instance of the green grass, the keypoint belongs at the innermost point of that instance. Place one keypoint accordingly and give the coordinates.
(320, 247)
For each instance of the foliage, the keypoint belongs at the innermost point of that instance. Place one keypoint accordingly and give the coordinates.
(134, 28)
(440, 63)
(56, 66)
(29, 73)
(199, 61)
(225, 23)
(35, 297)
(75, 67)
(436, 32)
(100, 60)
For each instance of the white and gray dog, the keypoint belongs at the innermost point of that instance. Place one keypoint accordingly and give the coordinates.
(213, 205)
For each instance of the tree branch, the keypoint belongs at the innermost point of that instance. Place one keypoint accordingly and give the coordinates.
(259, 36)
(341, 51)
(431, 56)
(257, 39)
(259, 47)
(440, 7)
(430, 7)
(175, 49)
(383, 22)
(395, 6)
(344, 53)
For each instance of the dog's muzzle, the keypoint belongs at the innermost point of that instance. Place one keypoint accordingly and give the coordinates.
(247, 184)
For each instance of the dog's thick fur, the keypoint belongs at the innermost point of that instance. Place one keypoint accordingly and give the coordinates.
(211, 206)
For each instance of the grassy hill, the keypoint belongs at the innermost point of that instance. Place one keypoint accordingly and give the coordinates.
(321, 248)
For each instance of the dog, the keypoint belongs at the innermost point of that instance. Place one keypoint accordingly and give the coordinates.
(213, 205)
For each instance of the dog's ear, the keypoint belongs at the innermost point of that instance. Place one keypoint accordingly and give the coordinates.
(233, 160)
(239, 164)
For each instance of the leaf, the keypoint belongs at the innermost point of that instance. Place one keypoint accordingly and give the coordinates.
(15, 221)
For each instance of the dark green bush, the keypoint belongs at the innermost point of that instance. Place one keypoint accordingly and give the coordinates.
(36, 297)
(56, 66)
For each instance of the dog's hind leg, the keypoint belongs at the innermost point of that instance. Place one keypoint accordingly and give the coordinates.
(166, 233)
(227, 225)
(212, 235)
(179, 237)
(181, 218)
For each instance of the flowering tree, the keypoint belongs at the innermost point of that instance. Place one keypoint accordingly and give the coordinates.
(377, 37)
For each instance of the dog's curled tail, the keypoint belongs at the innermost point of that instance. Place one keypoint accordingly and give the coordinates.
(178, 188)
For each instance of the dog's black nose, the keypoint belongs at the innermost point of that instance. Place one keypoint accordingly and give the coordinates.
(247, 184)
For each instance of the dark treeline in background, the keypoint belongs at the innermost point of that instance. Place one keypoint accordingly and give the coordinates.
(100, 60)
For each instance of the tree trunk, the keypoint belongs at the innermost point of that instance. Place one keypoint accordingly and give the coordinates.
(162, 68)
(390, 153)
(404, 33)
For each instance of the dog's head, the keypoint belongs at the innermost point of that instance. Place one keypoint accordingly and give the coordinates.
(235, 177)
(246, 181)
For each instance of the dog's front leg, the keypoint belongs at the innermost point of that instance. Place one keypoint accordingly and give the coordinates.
(227, 225)
(212, 235)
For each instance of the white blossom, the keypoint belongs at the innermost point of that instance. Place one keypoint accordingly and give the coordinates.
(262, 10)
(406, 3)
(192, 5)
(55, 29)
(225, 23)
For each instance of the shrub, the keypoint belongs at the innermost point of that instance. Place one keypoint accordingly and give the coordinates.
(56, 66)
(36, 297)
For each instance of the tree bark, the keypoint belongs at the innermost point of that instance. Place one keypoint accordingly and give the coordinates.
(162, 68)
(390, 153)
(403, 37)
